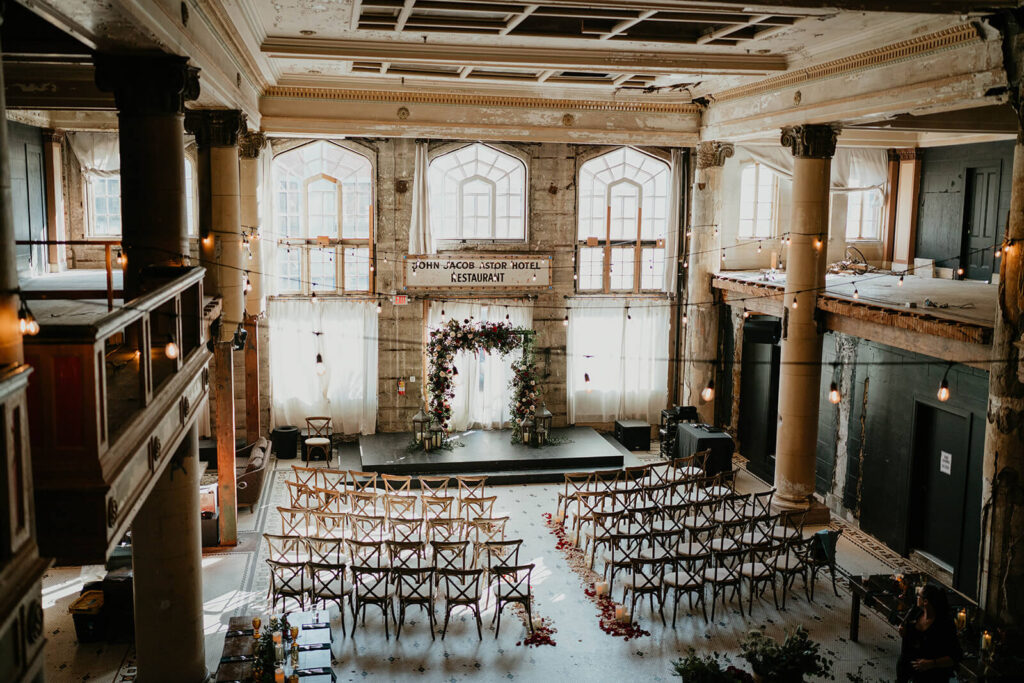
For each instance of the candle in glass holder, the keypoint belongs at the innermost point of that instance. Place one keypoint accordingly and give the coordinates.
(601, 588)
(295, 655)
(986, 642)
(278, 675)
(622, 614)
(256, 623)
(961, 620)
(295, 633)
(559, 517)
(294, 678)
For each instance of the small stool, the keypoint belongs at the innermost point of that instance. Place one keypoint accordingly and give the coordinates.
(319, 438)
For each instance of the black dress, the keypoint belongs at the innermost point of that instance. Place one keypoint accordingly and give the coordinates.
(938, 640)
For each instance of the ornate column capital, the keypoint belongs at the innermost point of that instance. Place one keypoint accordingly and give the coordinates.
(251, 144)
(811, 141)
(147, 84)
(215, 127)
(713, 153)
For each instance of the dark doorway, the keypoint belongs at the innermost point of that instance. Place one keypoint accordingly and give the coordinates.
(938, 513)
(28, 194)
(981, 204)
(759, 395)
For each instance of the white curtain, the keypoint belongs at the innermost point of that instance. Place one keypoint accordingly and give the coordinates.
(421, 241)
(482, 391)
(869, 167)
(675, 195)
(268, 223)
(98, 153)
(347, 391)
(622, 347)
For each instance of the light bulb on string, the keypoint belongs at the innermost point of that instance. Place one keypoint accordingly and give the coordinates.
(960, 271)
(900, 282)
(455, 371)
(320, 367)
(170, 348)
(833, 394)
(628, 315)
(856, 294)
(759, 246)
(998, 252)
(248, 284)
(817, 243)
(746, 314)
(689, 233)
(378, 308)
(534, 277)
(943, 393)
(312, 296)
(685, 318)
(723, 254)
(794, 302)
(565, 320)
(121, 259)
(586, 381)
(26, 321)
(708, 392)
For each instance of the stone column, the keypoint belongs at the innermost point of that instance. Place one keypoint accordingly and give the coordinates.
(167, 559)
(800, 374)
(53, 165)
(250, 145)
(705, 259)
(150, 92)
(220, 234)
(11, 351)
(1002, 556)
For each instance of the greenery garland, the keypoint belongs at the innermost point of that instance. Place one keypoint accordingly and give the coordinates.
(502, 338)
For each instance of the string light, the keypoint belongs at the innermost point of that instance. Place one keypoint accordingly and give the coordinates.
(208, 241)
(759, 246)
(320, 367)
(708, 392)
(121, 259)
(900, 282)
(960, 271)
(685, 318)
(455, 371)
(834, 397)
(817, 243)
(565, 320)
(628, 315)
(26, 321)
(586, 381)
(723, 254)
(171, 349)
(378, 308)
(794, 302)
(746, 314)
(856, 294)
(943, 393)
(248, 283)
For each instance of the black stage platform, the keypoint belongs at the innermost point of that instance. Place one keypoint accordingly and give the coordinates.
(491, 452)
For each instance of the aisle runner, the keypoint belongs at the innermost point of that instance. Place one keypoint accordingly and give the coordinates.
(577, 561)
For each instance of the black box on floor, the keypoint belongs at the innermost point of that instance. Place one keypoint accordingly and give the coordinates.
(87, 613)
(635, 435)
(119, 604)
(210, 529)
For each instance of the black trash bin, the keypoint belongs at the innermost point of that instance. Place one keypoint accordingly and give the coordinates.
(285, 440)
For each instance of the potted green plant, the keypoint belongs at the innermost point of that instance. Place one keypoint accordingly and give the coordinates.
(788, 662)
(695, 668)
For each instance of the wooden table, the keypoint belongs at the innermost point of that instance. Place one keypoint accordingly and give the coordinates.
(314, 650)
(878, 591)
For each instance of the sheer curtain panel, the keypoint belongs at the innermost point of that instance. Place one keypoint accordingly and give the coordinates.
(347, 389)
(482, 391)
(622, 348)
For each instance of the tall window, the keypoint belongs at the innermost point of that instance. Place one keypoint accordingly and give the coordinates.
(104, 201)
(759, 189)
(623, 216)
(323, 194)
(863, 213)
(477, 193)
(190, 197)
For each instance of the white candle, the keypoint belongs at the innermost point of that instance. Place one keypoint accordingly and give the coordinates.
(601, 588)
(559, 517)
(986, 641)
(622, 614)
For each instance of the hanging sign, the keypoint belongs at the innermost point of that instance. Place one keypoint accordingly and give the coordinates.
(946, 462)
(478, 272)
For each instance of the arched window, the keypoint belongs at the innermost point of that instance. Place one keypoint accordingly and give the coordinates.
(623, 217)
(323, 195)
(477, 193)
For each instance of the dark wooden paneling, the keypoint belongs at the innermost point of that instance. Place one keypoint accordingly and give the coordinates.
(940, 215)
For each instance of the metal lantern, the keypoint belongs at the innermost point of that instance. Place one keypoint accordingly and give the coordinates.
(526, 427)
(420, 425)
(542, 424)
(436, 435)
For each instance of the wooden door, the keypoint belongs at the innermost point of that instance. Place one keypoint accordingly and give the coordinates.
(981, 204)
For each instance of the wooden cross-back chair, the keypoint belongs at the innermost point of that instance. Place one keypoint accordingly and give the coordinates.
(330, 524)
(307, 476)
(288, 580)
(514, 586)
(471, 487)
(434, 486)
(460, 588)
(396, 484)
(318, 437)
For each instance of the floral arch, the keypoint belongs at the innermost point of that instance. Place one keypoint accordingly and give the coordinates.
(454, 336)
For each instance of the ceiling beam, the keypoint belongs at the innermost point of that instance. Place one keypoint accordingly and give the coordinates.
(518, 19)
(615, 61)
(729, 30)
(991, 119)
(797, 6)
(627, 24)
(404, 15)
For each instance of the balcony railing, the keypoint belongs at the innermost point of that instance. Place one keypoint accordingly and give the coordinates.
(110, 399)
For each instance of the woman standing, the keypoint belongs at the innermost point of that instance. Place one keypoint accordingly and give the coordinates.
(930, 650)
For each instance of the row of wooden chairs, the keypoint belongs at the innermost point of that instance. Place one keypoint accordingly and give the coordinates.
(358, 481)
(390, 505)
(407, 578)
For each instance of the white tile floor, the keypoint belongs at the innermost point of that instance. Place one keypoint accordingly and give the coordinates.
(235, 582)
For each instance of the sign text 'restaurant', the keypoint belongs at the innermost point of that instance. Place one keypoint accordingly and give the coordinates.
(478, 272)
